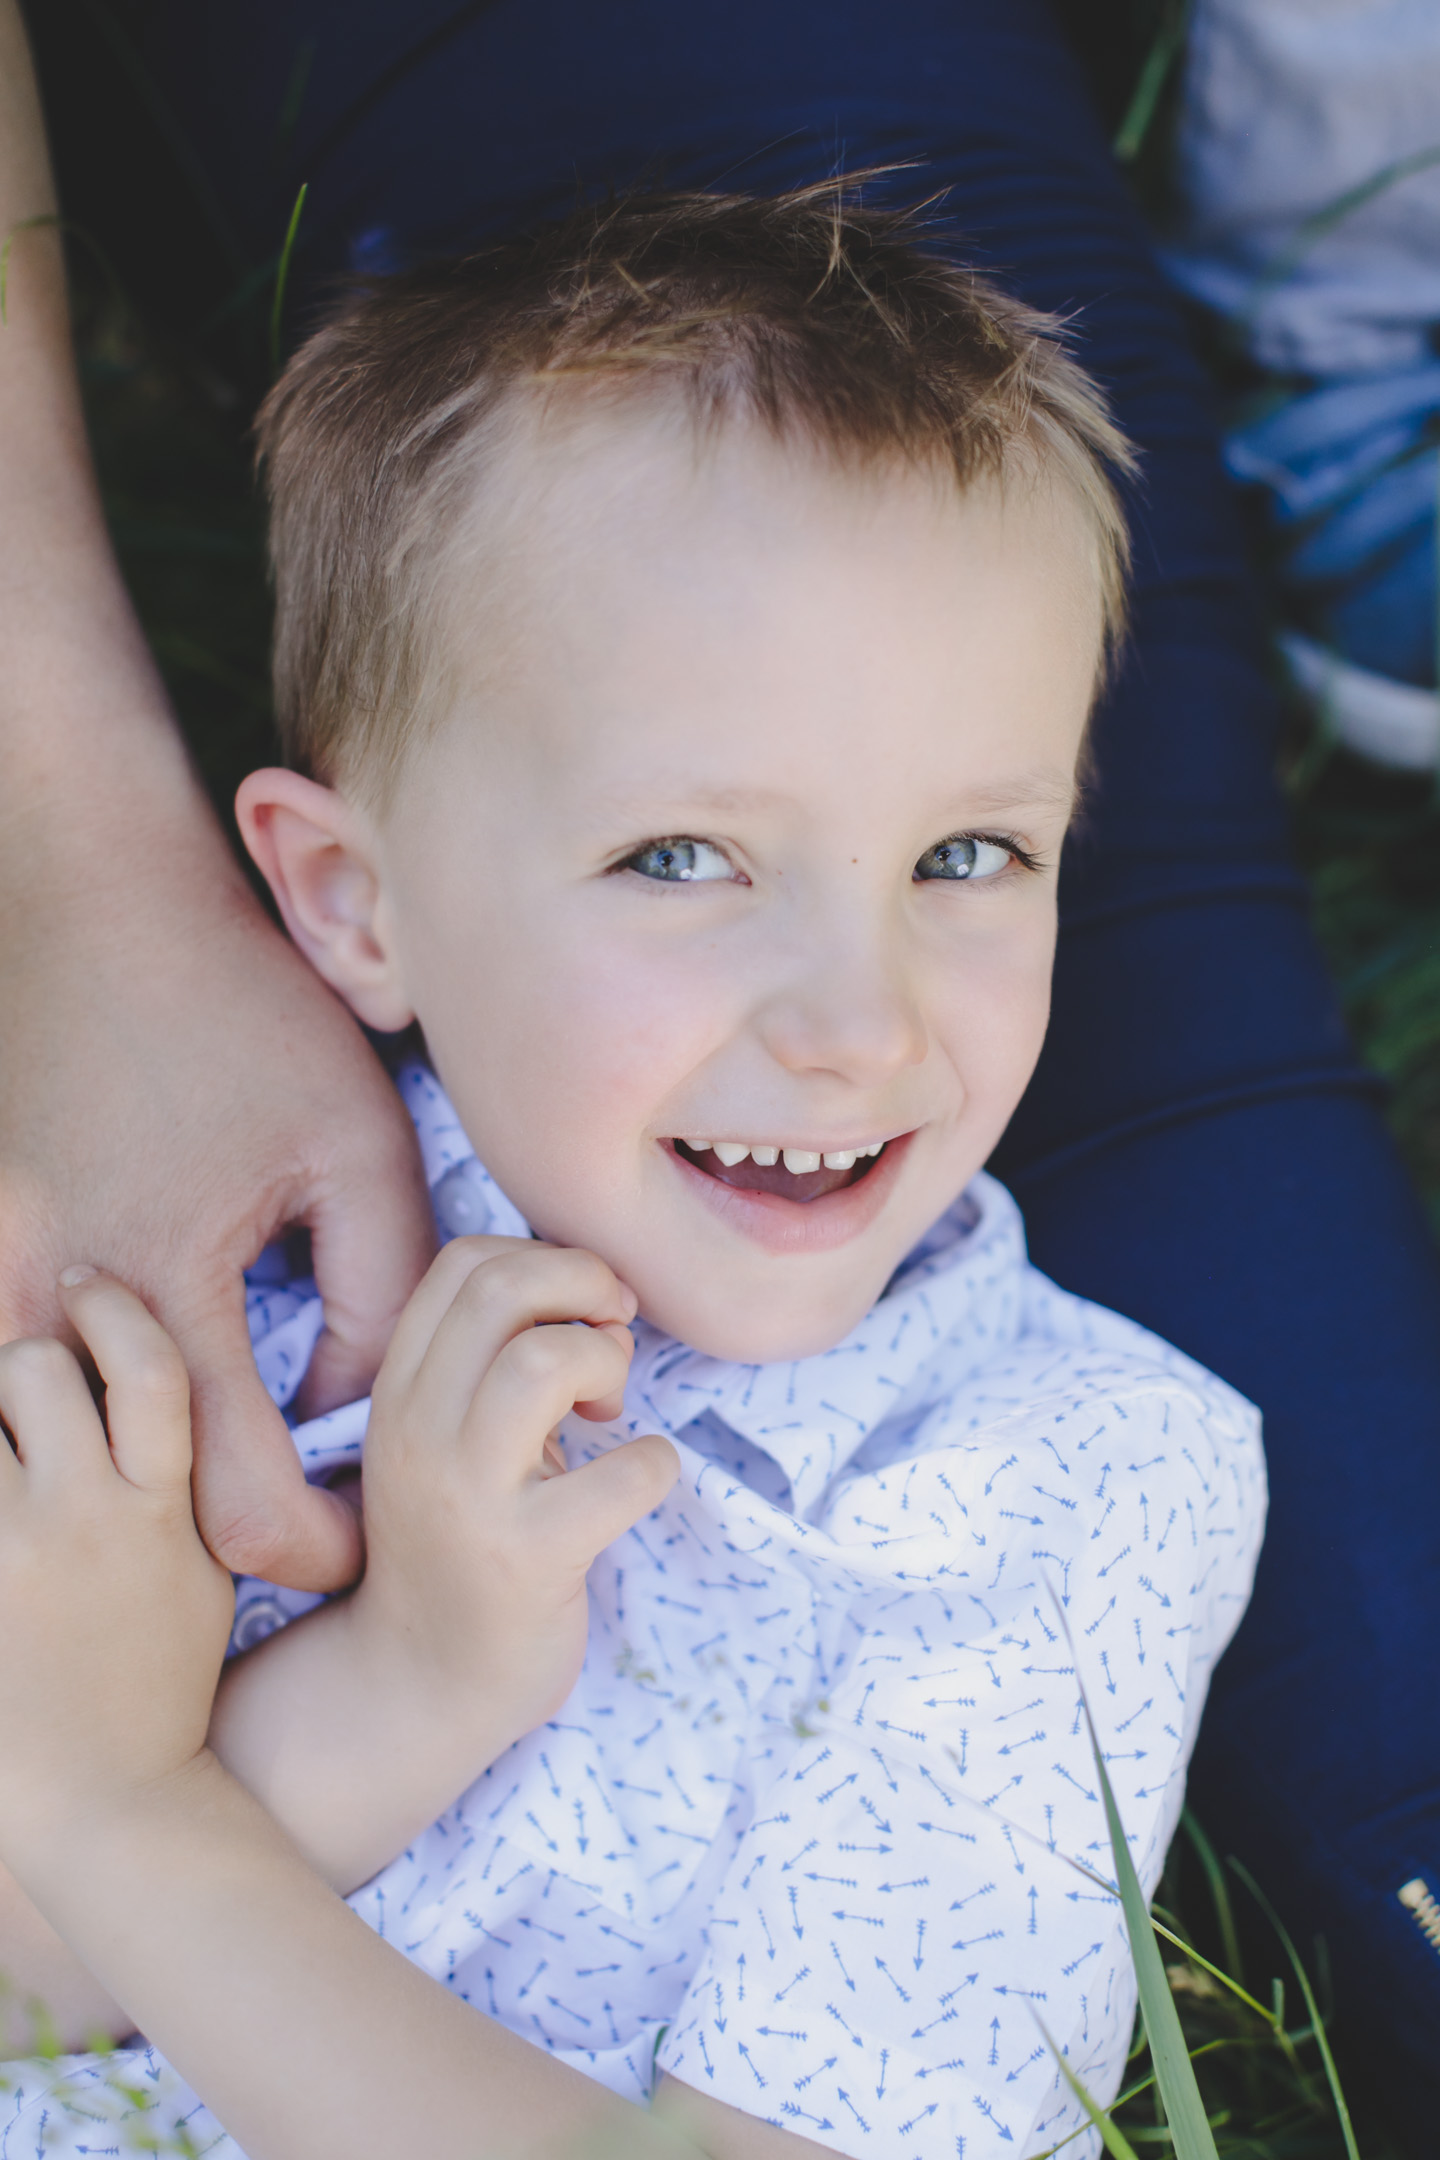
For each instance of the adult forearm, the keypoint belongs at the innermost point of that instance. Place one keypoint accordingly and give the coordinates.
(84, 725)
(175, 1082)
(303, 2031)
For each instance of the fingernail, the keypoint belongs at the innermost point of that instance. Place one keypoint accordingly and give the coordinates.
(81, 1272)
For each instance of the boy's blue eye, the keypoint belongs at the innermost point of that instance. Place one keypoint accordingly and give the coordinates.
(675, 862)
(963, 856)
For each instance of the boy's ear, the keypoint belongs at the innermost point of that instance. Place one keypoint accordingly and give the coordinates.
(317, 854)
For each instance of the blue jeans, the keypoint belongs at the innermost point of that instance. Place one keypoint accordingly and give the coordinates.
(1199, 1147)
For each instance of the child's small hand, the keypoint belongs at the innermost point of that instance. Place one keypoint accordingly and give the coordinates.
(478, 1549)
(113, 1616)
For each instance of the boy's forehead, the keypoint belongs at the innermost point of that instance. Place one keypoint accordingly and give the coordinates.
(649, 621)
(625, 535)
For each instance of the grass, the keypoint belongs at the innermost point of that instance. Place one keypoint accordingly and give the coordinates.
(1254, 2016)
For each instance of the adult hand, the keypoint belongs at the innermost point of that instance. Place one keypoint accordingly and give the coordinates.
(175, 1085)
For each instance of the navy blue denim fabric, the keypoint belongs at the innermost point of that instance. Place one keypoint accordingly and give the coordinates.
(1198, 1147)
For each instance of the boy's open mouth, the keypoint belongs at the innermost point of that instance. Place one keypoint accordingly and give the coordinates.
(787, 1173)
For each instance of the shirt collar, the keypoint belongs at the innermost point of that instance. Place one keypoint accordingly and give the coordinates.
(940, 1315)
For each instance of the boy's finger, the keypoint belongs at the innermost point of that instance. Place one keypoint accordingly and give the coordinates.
(147, 1389)
(515, 1289)
(535, 1381)
(415, 1329)
(592, 1506)
(602, 1409)
(47, 1407)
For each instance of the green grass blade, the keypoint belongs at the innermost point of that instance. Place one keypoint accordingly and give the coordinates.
(1145, 2084)
(1219, 1895)
(1314, 228)
(1116, 2142)
(1214, 1971)
(1140, 112)
(1332, 2075)
(282, 275)
(1184, 2108)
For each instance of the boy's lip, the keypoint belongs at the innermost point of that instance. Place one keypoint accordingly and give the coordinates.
(798, 1226)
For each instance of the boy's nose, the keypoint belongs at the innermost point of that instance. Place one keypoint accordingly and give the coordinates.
(847, 1009)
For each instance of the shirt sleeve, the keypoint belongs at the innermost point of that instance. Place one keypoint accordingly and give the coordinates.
(913, 1914)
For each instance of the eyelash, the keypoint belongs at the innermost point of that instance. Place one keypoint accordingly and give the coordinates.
(1024, 857)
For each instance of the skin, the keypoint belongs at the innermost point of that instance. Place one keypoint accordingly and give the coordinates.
(360, 1725)
(680, 646)
(687, 646)
(114, 1805)
(175, 1085)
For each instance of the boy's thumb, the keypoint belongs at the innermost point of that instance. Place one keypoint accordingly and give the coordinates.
(592, 1506)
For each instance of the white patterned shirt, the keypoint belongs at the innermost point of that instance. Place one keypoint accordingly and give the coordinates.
(818, 1830)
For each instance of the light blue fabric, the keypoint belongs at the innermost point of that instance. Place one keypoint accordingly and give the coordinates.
(1352, 480)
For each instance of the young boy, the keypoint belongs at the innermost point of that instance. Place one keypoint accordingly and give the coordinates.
(687, 627)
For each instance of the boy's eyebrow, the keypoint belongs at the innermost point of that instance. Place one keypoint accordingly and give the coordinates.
(1046, 789)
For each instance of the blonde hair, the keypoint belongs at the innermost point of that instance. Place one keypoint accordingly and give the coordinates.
(824, 320)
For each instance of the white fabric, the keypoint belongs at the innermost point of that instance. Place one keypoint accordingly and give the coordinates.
(1287, 105)
(813, 1830)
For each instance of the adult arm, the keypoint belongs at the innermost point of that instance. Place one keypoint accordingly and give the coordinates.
(175, 1084)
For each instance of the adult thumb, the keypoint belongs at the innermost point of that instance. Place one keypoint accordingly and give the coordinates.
(372, 1236)
(254, 1508)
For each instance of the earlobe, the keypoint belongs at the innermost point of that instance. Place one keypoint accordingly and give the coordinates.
(317, 854)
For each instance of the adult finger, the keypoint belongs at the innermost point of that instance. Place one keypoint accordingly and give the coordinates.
(590, 1507)
(254, 1508)
(147, 1389)
(372, 1237)
(533, 1383)
(515, 1289)
(46, 1404)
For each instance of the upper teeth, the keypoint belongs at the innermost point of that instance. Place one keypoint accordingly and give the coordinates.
(798, 1161)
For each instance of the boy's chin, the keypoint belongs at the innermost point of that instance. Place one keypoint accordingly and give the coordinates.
(762, 1330)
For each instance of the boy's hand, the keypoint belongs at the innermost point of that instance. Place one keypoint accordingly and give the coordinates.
(113, 1616)
(479, 1540)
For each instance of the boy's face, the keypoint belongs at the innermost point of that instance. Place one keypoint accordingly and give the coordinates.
(683, 864)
